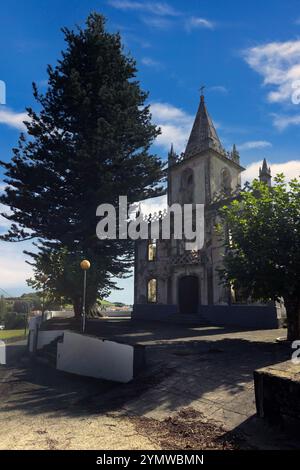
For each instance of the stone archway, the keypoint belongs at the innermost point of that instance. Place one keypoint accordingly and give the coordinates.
(188, 294)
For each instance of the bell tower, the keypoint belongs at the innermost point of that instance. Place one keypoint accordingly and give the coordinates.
(200, 174)
(205, 168)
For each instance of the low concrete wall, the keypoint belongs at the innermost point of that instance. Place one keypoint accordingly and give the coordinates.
(15, 350)
(94, 357)
(246, 316)
(47, 336)
(33, 327)
(58, 314)
(277, 394)
(153, 312)
(37, 338)
(2, 353)
(258, 317)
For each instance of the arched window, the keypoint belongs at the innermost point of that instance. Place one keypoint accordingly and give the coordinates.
(152, 290)
(187, 186)
(226, 180)
(152, 250)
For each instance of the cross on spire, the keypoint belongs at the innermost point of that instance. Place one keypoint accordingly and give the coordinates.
(201, 89)
(203, 135)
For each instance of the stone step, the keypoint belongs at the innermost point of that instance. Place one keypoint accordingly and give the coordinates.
(181, 318)
(48, 354)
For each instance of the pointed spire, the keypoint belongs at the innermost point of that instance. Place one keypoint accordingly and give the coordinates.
(171, 151)
(171, 156)
(265, 166)
(203, 135)
(265, 173)
(235, 156)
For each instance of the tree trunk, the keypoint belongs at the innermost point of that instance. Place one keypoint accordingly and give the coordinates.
(77, 306)
(94, 311)
(293, 318)
(91, 310)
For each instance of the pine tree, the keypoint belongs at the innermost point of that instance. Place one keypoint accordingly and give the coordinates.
(88, 144)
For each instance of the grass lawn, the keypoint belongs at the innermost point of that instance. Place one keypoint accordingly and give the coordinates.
(7, 334)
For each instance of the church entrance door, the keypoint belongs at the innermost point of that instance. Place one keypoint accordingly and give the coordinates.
(188, 294)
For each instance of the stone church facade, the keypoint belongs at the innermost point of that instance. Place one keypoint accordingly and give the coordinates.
(169, 280)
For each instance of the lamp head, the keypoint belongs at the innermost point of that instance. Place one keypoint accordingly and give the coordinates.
(85, 265)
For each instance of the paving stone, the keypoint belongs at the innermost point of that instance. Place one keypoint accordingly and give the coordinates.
(228, 419)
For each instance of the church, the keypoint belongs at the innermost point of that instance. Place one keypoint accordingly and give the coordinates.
(173, 283)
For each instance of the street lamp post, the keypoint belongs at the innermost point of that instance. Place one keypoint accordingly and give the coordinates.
(85, 266)
(26, 315)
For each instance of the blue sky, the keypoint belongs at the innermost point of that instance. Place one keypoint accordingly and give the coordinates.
(247, 54)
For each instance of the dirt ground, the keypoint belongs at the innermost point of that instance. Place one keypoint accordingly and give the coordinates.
(63, 433)
(187, 430)
(111, 432)
(68, 416)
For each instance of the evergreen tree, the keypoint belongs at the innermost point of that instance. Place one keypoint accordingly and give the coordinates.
(21, 306)
(58, 277)
(88, 144)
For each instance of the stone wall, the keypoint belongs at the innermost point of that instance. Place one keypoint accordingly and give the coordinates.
(277, 394)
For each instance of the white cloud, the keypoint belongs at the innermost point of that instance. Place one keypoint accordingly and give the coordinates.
(290, 169)
(283, 121)
(279, 65)
(13, 119)
(157, 22)
(156, 8)
(196, 22)
(13, 269)
(175, 125)
(254, 144)
(4, 223)
(155, 204)
(219, 89)
(161, 15)
(151, 62)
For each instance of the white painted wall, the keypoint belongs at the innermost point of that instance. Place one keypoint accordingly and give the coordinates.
(2, 353)
(46, 337)
(58, 314)
(34, 322)
(95, 357)
(33, 325)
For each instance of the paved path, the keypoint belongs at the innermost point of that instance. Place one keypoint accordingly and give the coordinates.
(206, 368)
(213, 373)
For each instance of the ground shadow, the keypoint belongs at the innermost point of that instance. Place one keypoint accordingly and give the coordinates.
(143, 332)
(217, 370)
